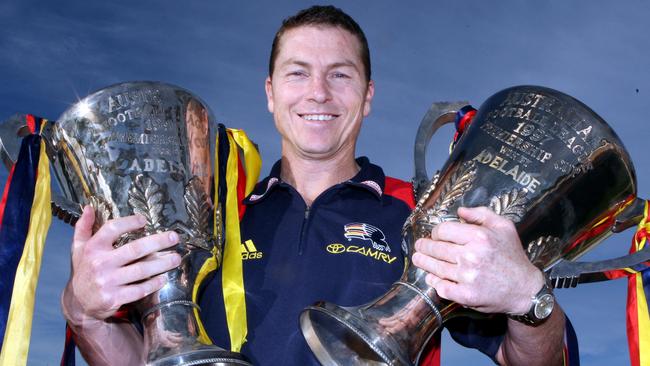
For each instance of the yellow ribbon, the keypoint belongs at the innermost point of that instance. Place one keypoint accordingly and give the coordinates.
(15, 346)
(232, 272)
(643, 320)
(252, 160)
(209, 266)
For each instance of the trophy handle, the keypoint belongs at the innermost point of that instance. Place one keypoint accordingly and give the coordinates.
(12, 132)
(64, 209)
(438, 115)
(568, 273)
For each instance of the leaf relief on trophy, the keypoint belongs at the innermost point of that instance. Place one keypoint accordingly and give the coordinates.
(417, 210)
(511, 204)
(198, 208)
(460, 181)
(103, 214)
(146, 199)
(102, 211)
(543, 250)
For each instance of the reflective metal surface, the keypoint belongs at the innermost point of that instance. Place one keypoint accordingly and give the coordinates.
(144, 147)
(534, 155)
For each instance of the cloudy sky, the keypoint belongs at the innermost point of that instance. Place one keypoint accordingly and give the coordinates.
(53, 52)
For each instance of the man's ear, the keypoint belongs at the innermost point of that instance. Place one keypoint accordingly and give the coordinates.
(370, 92)
(268, 87)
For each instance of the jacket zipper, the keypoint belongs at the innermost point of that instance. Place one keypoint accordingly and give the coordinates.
(303, 230)
(305, 221)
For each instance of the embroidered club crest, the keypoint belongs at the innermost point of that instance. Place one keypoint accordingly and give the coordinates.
(359, 230)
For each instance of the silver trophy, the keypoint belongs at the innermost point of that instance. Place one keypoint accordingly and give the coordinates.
(144, 147)
(534, 155)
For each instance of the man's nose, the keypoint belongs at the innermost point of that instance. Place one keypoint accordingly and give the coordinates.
(320, 90)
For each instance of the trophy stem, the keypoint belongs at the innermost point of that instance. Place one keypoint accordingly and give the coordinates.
(171, 325)
(171, 338)
(391, 330)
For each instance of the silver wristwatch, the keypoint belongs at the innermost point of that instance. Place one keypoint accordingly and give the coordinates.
(540, 309)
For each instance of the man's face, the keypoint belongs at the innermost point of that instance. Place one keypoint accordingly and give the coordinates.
(318, 93)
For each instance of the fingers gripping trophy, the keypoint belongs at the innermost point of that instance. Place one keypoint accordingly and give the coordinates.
(532, 154)
(144, 148)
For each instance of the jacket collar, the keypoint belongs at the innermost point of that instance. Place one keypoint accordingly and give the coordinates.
(370, 177)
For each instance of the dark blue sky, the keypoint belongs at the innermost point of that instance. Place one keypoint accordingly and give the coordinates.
(51, 53)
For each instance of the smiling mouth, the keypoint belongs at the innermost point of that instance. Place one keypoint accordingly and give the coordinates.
(318, 117)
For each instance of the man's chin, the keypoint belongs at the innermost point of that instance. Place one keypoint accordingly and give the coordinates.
(319, 152)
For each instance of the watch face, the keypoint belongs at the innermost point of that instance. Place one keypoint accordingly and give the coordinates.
(544, 306)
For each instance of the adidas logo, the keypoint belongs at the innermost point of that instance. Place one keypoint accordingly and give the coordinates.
(249, 251)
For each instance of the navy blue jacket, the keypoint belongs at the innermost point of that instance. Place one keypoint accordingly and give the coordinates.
(345, 248)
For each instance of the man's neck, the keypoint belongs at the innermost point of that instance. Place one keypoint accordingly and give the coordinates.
(311, 177)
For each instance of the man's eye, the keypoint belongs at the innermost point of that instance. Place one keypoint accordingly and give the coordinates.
(297, 74)
(340, 75)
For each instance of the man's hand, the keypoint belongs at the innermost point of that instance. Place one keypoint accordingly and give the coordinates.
(480, 263)
(104, 278)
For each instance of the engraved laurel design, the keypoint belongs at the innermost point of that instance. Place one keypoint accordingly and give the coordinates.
(543, 250)
(198, 210)
(511, 204)
(459, 183)
(417, 210)
(103, 214)
(197, 205)
(432, 187)
(146, 199)
(102, 211)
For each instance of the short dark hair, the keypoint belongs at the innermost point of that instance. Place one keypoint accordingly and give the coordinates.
(327, 16)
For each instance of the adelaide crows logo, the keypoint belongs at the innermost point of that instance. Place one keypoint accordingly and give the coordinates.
(359, 230)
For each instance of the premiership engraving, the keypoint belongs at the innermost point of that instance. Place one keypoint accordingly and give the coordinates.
(139, 165)
(514, 156)
(123, 117)
(130, 98)
(146, 138)
(543, 123)
(547, 118)
(518, 143)
(508, 168)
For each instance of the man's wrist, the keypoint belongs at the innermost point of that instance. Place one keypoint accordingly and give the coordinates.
(540, 306)
(524, 298)
(73, 315)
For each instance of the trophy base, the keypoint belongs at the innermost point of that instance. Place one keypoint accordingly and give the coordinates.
(341, 336)
(207, 355)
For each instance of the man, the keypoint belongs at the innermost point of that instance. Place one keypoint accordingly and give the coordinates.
(318, 197)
